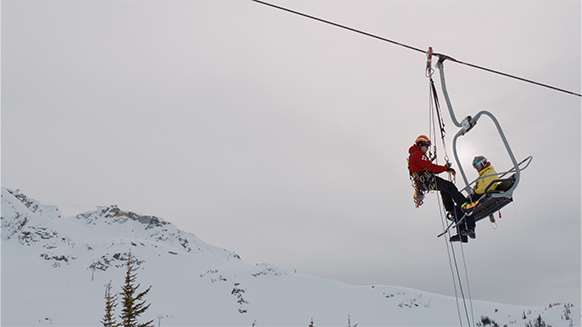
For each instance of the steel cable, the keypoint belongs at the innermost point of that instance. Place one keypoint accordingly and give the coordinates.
(442, 57)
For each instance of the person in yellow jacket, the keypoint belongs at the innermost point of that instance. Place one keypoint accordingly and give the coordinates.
(487, 174)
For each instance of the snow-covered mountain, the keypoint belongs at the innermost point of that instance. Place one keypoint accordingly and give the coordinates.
(54, 272)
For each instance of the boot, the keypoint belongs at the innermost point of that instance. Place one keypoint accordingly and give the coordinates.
(459, 238)
(469, 231)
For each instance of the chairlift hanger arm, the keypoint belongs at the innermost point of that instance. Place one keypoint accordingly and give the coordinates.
(467, 124)
(441, 68)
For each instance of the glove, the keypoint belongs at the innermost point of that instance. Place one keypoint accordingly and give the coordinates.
(452, 171)
(448, 165)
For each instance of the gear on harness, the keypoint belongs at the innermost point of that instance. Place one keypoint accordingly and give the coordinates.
(423, 181)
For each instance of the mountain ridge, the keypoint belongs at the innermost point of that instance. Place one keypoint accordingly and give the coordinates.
(54, 269)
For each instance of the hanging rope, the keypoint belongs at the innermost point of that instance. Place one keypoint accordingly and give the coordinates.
(457, 279)
(435, 110)
(467, 282)
(432, 101)
(448, 231)
(451, 264)
(417, 49)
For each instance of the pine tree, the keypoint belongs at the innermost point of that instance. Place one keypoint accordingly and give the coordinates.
(133, 305)
(110, 304)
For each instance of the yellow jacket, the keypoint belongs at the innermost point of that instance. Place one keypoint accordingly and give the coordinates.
(481, 184)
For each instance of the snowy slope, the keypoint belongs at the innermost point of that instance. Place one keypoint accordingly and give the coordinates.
(54, 270)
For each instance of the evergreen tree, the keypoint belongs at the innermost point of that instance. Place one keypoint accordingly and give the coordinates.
(133, 305)
(110, 304)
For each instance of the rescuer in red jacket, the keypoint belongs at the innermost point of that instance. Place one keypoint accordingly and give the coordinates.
(418, 162)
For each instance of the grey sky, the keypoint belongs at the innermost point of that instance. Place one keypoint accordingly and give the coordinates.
(285, 139)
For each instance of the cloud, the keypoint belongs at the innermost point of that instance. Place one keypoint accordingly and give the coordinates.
(285, 139)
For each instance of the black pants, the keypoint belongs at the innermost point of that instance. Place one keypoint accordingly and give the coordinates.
(452, 196)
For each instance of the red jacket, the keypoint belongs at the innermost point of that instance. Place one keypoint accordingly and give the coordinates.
(419, 161)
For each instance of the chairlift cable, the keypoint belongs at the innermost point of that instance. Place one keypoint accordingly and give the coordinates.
(441, 56)
(338, 25)
(507, 75)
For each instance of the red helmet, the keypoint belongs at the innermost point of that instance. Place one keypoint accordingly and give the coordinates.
(422, 140)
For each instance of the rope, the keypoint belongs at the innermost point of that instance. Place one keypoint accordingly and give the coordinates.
(450, 264)
(439, 116)
(441, 56)
(468, 287)
(433, 97)
(458, 274)
(459, 279)
(431, 120)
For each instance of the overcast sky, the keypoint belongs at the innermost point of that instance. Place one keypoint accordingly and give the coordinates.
(285, 139)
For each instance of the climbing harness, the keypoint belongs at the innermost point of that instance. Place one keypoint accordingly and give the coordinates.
(422, 182)
(425, 180)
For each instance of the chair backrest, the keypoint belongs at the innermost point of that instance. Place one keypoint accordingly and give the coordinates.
(506, 184)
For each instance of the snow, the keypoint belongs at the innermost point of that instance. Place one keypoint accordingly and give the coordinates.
(54, 272)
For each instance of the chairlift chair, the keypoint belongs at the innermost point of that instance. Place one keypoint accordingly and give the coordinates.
(492, 200)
